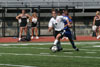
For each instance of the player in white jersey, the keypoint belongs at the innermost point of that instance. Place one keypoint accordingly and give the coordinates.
(56, 23)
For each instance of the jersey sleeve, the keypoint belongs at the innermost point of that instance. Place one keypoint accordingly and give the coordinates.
(65, 18)
(50, 23)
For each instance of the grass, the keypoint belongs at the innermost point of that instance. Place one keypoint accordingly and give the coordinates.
(37, 55)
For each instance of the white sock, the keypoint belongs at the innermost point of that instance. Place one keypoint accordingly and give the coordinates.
(19, 38)
(55, 42)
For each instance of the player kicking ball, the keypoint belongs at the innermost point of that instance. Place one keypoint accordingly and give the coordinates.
(66, 32)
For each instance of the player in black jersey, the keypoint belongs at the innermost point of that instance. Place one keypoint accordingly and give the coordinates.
(23, 18)
(96, 24)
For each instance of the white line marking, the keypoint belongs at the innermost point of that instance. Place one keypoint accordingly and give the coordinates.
(89, 57)
(91, 52)
(26, 47)
(97, 46)
(63, 43)
(46, 48)
(45, 53)
(16, 65)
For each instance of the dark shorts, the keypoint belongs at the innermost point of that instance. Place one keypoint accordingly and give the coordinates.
(66, 33)
(97, 23)
(23, 24)
(34, 24)
(56, 33)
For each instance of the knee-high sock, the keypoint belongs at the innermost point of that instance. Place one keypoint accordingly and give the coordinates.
(55, 42)
(59, 45)
(72, 42)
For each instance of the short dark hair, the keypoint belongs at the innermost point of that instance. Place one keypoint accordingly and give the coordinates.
(59, 12)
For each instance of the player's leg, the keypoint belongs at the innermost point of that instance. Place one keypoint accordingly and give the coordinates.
(36, 33)
(72, 42)
(57, 39)
(25, 30)
(20, 33)
(59, 46)
(32, 33)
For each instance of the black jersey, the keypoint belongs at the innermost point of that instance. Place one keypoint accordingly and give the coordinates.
(97, 21)
(23, 21)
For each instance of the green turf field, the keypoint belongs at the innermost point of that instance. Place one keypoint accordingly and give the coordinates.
(39, 55)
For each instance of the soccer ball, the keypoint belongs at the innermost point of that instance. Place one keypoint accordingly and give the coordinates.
(54, 48)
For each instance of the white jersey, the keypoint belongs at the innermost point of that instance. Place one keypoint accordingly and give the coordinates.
(34, 20)
(57, 23)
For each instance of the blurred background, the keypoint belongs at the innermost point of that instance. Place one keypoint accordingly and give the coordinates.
(82, 12)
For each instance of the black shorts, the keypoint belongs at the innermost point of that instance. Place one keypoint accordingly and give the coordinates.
(56, 33)
(34, 24)
(23, 24)
(97, 23)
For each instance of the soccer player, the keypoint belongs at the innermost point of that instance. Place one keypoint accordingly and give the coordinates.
(66, 31)
(23, 19)
(57, 24)
(96, 22)
(34, 19)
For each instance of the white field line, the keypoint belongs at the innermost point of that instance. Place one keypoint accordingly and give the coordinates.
(90, 52)
(15, 65)
(25, 47)
(66, 43)
(96, 46)
(46, 48)
(89, 57)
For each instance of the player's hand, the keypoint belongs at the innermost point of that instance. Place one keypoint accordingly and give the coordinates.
(49, 30)
(69, 25)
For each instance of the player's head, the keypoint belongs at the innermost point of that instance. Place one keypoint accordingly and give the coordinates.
(97, 13)
(66, 13)
(54, 13)
(63, 11)
(59, 13)
(23, 11)
(34, 14)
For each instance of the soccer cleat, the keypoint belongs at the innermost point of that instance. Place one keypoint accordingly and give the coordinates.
(76, 49)
(60, 49)
(98, 36)
(37, 37)
(19, 39)
(32, 37)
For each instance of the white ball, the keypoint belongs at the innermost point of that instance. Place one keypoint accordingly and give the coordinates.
(54, 48)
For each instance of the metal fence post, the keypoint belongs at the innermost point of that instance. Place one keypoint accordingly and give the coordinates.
(39, 19)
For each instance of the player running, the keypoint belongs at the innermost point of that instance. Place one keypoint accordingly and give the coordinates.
(66, 31)
(23, 19)
(57, 24)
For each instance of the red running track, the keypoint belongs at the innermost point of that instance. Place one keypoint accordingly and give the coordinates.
(47, 39)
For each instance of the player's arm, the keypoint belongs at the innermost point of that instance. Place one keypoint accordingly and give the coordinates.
(50, 25)
(94, 21)
(50, 28)
(68, 23)
(28, 16)
(17, 17)
(30, 19)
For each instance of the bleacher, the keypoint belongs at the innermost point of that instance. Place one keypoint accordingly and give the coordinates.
(77, 3)
(84, 11)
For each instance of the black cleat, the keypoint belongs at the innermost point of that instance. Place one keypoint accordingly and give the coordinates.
(76, 49)
(60, 49)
